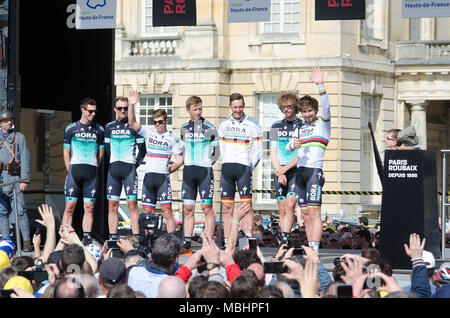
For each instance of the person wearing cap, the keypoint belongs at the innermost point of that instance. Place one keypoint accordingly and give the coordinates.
(14, 142)
(333, 241)
(112, 272)
(22, 287)
(423, 265)
(4, 260)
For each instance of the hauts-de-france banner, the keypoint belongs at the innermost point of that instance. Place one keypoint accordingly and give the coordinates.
(95, 14)
(340, 9)
(248, 11)
(174, 13)
(425, 8)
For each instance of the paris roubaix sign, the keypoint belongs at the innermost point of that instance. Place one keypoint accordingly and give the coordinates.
(425, 8)
(340, 9)
(95, 14)
(174, 13)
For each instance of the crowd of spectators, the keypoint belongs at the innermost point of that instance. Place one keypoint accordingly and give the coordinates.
(68, 269)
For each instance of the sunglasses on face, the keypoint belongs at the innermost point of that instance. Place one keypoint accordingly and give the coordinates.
(91, 111)
(159, 122)
(286, 107)
(122, 108)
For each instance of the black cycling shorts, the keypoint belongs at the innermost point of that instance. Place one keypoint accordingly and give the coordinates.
(236, 174)
(122, 173)
(81, 177)
(197, 177)
(156, 187)
(283, 191)
(309, 183)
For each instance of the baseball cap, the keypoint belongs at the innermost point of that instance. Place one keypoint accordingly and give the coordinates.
(4, 260)
(333, 236)
(112, 271)
(19, 282)
(6, 247)
(428, 257)
(9, 241)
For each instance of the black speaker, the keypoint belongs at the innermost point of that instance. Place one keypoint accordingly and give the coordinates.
(58, 66)
(409, 204)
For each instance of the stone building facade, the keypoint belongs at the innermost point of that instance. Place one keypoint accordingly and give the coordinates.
(390, 71)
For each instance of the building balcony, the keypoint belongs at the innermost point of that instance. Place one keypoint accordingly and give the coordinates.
(150, 47)
(424, 52)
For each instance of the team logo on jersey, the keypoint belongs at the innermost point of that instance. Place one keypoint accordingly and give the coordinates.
(157, 142)
(120, 132)
(284, 133)
(86, 135)
(307, 131)
(238, 130)
(194, 135)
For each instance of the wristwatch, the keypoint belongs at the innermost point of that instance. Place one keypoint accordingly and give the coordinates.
(211, 266)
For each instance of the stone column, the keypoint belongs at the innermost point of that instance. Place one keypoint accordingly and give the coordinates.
(419, 121)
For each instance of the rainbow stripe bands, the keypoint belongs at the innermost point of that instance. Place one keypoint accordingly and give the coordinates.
(227, 200)
(166, 203)
(140, 127)
(322, 92)
(246, 199)
(315, 141)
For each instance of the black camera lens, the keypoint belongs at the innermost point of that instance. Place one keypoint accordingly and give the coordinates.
(336, 261)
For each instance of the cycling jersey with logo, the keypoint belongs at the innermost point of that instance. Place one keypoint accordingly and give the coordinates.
(237, 137)
(314, 136)
(160, 148)
(281, 133)
(84, 141)
(200, 141)
(123, 140)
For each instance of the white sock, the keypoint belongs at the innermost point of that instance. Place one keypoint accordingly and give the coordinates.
(314, 246)
(225, 242)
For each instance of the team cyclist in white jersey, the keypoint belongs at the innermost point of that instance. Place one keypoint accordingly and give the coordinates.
(161, 146)
(312, 139)
(238, 136)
